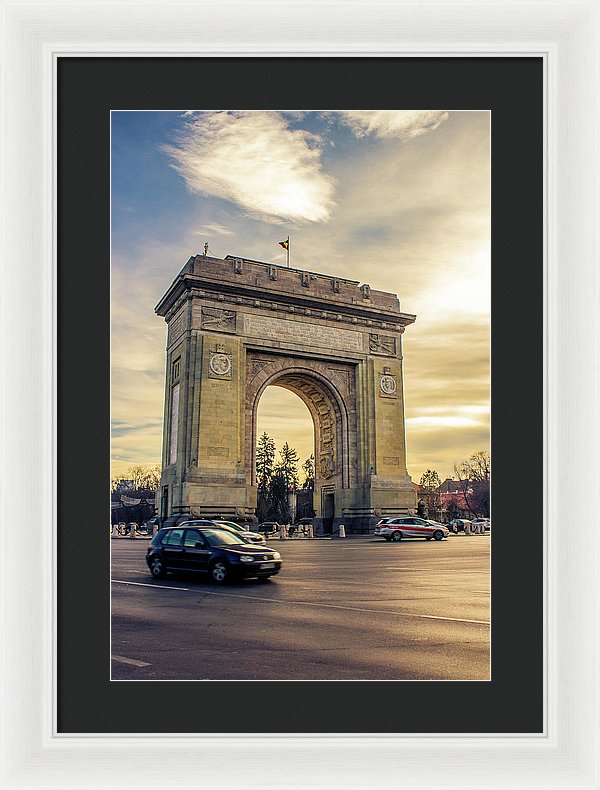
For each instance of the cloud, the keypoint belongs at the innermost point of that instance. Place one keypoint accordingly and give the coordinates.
(255, 160)
(404, 124)
(213, 227)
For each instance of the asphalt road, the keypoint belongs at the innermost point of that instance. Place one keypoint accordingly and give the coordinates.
(358, 608)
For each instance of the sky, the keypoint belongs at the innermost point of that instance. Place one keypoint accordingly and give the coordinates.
(399, 199)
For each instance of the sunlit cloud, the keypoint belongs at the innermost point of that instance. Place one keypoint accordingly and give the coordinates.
(404, 124)
(213, 227)
(257, 161)
(440, 421)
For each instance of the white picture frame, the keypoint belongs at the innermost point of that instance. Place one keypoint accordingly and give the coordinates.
(566, 35)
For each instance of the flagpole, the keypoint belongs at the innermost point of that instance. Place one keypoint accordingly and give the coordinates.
(288, 252)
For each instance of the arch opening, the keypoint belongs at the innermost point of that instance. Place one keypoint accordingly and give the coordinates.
(333, 429)
(285, 418)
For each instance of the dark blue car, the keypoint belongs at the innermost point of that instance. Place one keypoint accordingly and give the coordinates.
(217, 552)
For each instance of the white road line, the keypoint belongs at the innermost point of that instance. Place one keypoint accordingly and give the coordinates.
(159, 586)
(310, 603)
(133, 661)
(351, 608)
(437, 570)
(402, 568)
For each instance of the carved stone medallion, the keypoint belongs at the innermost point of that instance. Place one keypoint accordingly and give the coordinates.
(388, 387)
(219, 365)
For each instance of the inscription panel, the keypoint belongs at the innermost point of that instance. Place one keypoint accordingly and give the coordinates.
(217, 452)
(303, 333)
(391, 460)
(177, 326)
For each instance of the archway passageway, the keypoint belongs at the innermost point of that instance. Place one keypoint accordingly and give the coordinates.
(284, 417)
(285, 429)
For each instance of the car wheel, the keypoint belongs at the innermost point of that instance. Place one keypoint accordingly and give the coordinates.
(219, 572)
(157, 569)
(397, 535)
(438, 535)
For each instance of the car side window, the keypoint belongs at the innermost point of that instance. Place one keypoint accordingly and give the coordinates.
(192, 536)
(173, 538)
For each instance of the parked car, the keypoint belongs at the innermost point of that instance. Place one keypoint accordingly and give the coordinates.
(459, 525)
(236, 529)
(268, 527)
(410, 527)
(249, 537)
(482, 525)
(211, 550)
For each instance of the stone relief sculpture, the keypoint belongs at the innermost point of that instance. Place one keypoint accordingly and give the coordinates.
(217, 319)
(257, 365)
(382, 344)
(326, 466)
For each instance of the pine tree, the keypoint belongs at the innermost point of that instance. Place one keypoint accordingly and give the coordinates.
(288, 466)
(265, 459)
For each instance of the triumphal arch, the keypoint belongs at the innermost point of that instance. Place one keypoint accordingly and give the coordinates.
(236, 327)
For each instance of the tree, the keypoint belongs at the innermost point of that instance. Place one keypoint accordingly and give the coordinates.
(140, 484)
(265, 459)
(309, 473)
(144, 478)
(279, 501)
(453, 511)
(284, 480)
(288, 466)
(430, 483)
(474, 478)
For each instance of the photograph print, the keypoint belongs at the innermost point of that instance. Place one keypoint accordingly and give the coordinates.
(300, 395)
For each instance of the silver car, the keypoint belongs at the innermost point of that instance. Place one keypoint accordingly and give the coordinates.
(250, 537)
(410, 527)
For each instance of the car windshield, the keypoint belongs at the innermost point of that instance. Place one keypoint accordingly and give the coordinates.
(220, 537)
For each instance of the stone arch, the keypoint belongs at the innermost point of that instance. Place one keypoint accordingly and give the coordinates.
(235, 327)
(328, 392)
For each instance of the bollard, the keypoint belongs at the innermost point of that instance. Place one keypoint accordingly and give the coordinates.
(282, 535)
(311, 531)
(133, 530)
(342, 531)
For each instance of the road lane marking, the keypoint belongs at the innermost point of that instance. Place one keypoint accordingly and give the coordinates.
(351, 608)
(159, 586)
(133, 661)
(310, 603)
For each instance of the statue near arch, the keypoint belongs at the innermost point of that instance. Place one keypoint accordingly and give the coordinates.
(236, 327)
